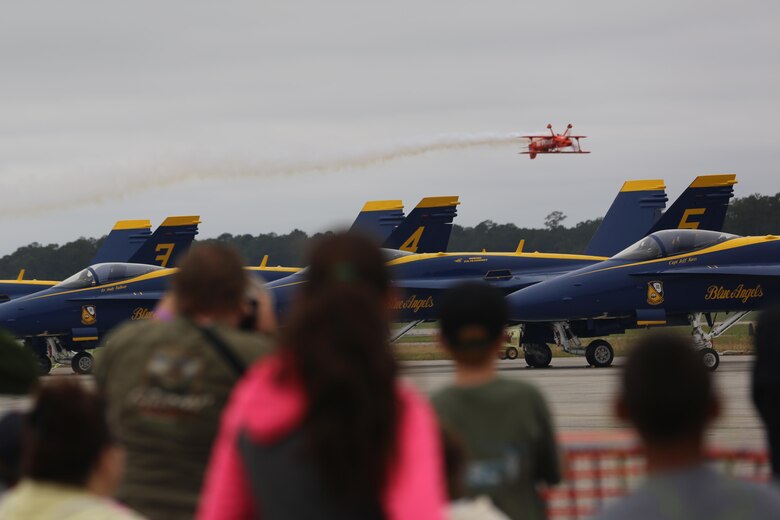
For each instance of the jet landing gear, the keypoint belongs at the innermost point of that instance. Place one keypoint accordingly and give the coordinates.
(82, 363)
(599, 353)
(703, 340)
(40, 347)
(537, 355)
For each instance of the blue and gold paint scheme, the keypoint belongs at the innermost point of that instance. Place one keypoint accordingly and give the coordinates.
(168, 243)
(426, 229)
(125, 238)
(128, 241)
(120, 244)
(379, 218)
(660, 280)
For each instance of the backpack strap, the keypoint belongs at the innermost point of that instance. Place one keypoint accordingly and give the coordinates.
(223, 349)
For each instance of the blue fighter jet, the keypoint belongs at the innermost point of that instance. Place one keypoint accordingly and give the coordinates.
(128, 241)
(672, 277)
(420, 279)
(426, 229)
(80, 310)
(74, 314)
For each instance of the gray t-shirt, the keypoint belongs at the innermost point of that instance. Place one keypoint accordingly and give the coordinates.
(699, 493)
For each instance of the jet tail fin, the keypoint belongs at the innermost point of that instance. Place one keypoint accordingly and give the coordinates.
(427, 228)
(379, 218)
(702, 205)
(636, 208)
(122, 242)
(168, 242)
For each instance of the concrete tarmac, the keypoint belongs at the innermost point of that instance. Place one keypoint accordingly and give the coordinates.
(581, 397)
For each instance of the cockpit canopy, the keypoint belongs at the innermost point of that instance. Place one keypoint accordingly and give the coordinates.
(100, 274)
(670, 242)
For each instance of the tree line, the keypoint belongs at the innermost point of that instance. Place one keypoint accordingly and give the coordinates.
(750, 215)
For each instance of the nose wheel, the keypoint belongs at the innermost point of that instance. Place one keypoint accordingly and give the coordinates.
(710, 358)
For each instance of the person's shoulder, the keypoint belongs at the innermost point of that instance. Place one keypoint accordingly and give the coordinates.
(763, 497)
(250, 345)
(638, 506)
(515, 389)
(128, 331)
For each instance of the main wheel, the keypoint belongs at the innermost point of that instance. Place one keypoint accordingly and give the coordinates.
(589, 356)
(537, 355)
(512, 353)
(601, 353)
(82, 363)
(711, 358)
(44, 364)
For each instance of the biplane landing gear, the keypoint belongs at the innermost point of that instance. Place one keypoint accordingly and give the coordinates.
(537, 355)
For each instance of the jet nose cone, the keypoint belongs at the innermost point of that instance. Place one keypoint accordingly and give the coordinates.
(10, 314)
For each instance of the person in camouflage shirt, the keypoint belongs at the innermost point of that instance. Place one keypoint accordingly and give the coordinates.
(166, 380)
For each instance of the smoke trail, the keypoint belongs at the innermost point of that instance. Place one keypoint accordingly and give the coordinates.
(160, 177)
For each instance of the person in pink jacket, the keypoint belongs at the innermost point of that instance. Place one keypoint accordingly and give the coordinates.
(324, 429)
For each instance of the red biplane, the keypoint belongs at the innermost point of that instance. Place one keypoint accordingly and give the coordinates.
(554, 143)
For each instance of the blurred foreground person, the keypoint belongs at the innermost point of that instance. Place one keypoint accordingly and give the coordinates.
(71, 463)
(505, 425)
(167, 380)
(766, 383)
(667, 394)
(323, 429)
(462, 507)
(18, 377)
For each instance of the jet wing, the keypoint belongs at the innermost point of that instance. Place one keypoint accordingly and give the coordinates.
(728, 270)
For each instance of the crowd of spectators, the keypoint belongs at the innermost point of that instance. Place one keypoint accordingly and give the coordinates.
(213, 411)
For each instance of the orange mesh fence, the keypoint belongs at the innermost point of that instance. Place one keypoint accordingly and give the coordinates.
(598, 473)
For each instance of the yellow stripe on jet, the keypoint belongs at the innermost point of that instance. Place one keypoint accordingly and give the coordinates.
(556, 256)
(734, 243)
(712, 181)
(654, 184)
(181, 221)
(383, 205)
(143, 277)
(29, 282)
(132, 224)
(438, 202)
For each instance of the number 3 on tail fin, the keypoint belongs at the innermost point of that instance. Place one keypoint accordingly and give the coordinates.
(413, 241)
(165, 250)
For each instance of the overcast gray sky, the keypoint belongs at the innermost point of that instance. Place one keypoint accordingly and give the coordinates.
(105, 101)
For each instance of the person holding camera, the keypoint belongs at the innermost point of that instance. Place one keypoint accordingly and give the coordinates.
(166, 380)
